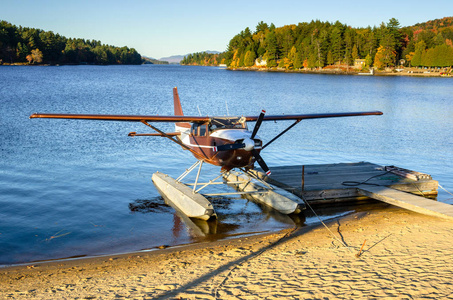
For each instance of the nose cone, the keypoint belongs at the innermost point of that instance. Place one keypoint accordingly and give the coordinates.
(249, 144)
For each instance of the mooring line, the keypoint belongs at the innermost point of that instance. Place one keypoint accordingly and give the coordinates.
(444, 189)
(331, 233)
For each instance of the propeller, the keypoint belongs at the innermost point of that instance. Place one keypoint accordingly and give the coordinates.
(255, 153)
(261, 162)
(258, 124)
(248, 144)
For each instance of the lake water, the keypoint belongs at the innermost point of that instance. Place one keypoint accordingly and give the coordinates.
(74, 188)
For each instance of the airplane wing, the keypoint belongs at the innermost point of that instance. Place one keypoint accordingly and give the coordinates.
(313, 116)
(127, 118)
(155, 118)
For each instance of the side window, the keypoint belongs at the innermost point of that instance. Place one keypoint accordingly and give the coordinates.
(203, 130)
(195, 129)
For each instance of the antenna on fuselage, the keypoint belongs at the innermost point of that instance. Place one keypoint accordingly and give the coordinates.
(226, 104)
(199, 111)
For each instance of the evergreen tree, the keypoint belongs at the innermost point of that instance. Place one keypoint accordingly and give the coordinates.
(419, 51)
(261, 27)
(368, 60)
(21, 44)
(330, 59)
(312, 59)
(271, 49)
(297, 61)
(355, 52)
(336, 44)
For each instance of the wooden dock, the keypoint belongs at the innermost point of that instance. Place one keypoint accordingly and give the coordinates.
(344, 182)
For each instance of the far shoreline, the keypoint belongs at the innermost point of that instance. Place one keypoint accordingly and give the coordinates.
(410, 72)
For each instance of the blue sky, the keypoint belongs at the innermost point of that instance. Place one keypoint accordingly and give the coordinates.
(173, 27)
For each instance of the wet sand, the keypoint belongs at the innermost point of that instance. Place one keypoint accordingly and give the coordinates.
(406, 255)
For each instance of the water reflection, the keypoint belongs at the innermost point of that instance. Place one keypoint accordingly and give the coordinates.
(72, 176)
(153, 205)
(230, 221)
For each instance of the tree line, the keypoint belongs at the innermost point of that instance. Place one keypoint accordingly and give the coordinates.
(30, 45)
(203, 58)
(321, 44)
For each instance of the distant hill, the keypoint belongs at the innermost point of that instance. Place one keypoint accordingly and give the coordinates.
(153, 61)
(176, 59)
(434, 25)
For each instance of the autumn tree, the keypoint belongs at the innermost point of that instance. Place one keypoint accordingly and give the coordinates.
(384, 58)
(409, 57)
(249, 59)
(37, 56)
(291, 59)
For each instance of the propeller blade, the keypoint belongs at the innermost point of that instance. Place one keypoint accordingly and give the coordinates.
(258, 124)
(227, 147)
(261, 162)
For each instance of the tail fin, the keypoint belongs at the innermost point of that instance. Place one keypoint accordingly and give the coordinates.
(177, 103)
(182, 127)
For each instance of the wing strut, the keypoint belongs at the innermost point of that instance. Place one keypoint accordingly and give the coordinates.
(280, 134)
(172, 139)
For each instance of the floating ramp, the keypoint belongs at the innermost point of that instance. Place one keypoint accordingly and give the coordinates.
(408, 201)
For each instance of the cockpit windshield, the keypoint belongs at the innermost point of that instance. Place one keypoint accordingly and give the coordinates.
(227, 123)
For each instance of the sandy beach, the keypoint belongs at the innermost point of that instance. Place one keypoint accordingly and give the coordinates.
(406, 255)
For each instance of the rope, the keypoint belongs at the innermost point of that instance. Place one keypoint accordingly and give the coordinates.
(444, 189)
(331, 233)
(357, 183)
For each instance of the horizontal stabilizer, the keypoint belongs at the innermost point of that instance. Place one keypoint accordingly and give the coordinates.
(154, 134)
(127, 118)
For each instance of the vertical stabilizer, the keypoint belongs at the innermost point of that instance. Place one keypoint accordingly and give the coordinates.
(183, 127)
(177, 103)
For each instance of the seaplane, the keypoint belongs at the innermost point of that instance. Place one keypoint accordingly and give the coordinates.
(223, 141)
